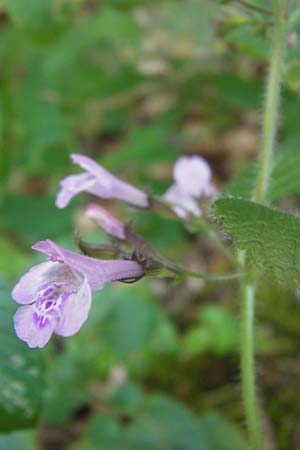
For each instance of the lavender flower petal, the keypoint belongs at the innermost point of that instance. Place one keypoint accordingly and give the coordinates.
(73, 185)
(25, 289)
(106, 220)
(93, 168)
(29, 330)
(60, 292)
(100, 182)
(192, 175)
(96, 271)
(182, 204)
(74, 311)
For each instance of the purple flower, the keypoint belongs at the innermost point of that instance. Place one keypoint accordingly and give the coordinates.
(98, 181)
(182, 203)
(192, 175)
(192, 181)
(106, 220)
(57, 294)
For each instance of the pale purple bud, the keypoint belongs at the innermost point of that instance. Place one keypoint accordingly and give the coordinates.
(104, 219)
(182, 204)
(192, 176)
(56, 295)
(100, 182)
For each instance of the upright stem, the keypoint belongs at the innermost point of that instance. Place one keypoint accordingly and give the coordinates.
(270, 123)
(248, 365)
(271, 109)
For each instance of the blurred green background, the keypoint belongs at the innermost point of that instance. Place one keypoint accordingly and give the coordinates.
(134, 84)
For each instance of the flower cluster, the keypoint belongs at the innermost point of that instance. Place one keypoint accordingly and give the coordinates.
(56, 295)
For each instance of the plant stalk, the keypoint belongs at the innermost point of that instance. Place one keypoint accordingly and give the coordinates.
(271, 109)
(266, 156)
(248, 365)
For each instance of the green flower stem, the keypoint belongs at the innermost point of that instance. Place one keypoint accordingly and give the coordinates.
(270, 124)
(248, 365)
(212, 278)
(247, 358)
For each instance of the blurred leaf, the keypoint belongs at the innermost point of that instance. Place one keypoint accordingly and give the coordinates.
(34, 218)
(195, 24)
(18, 441)
(163, 423)
(62, 397)
(21, 380)
(13, 259)
(235, 91)
(285, 178)
(249, 40)
(127, 398)
(271, 237)
(292, 76)
(242, 185)
(42, 20)
(145, 146)
(125, 4)
(217, 331)
(227, 437)
(130, 324)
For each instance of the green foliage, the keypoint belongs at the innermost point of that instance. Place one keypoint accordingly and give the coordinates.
(35, 218)
(43, 21)
(250, 40)
(270, 237)
(135, 84)
(21, 374)
(217, 331)
(163, 423)
(18, 441)
(284, 178)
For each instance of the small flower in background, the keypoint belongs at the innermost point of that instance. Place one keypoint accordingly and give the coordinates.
(56, 295)
(105, 220)
(182, 204)
(192, 176)
(100, 182)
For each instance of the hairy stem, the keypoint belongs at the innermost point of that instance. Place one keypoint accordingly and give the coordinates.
(247, 365)
(247, 359)
(271, 109)
(270, 125)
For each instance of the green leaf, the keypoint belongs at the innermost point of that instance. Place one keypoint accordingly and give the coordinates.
(163, 423)
(34, 217)
(227, 437)
(292, 76)
(271, 237)
(285, 178)
(42, 20)
(21, 379)
(13, 260)
(127, 309)
(151, 138)
(217, 331)
(249, 40)
(242, 185)
(23, 440)
(285, 175)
